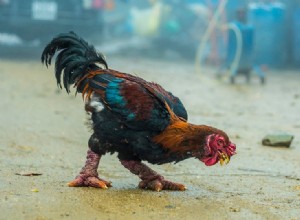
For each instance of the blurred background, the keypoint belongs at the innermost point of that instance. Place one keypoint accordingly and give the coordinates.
(238, 35)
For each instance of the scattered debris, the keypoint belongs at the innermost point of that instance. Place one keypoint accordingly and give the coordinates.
(278, 140)
(234, 209)
(34, 190)
(170, 207)
(293, 178)
(237, 136)
(22, 148)
(28, 174)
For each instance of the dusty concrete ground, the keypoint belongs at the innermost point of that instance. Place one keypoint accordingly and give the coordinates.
(43, 131)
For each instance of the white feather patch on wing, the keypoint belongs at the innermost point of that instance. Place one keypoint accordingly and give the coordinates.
(95, 104)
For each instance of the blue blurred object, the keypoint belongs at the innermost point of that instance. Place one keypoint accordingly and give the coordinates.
(232, 6)
(246, 60)
(268, 20)
(240, 51)
(296, 37)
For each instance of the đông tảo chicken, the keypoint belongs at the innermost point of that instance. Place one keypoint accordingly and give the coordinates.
(138, 120)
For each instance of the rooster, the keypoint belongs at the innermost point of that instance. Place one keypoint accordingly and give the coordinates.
(138, 120)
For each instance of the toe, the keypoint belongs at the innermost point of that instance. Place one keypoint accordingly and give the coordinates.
(76, 182)
(158, 185)
(143, 184)
(168, 185)
(155, 185)
(107, 183)
(95, 182)
(181, 187)
(90, 181)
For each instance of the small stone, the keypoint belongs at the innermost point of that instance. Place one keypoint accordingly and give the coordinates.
(170, 207)
(278, 140)
(28, 174)
(34, 190)
(234, 209)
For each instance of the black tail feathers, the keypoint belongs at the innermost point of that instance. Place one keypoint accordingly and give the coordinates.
(75, 58)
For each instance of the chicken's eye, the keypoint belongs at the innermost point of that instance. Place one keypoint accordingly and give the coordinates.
(220, 142)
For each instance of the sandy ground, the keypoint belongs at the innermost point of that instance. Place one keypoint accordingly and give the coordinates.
(43, 130)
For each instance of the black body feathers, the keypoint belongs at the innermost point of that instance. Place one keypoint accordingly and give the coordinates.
(134, 110)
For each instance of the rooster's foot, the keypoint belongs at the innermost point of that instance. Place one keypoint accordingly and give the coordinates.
(89, 175)
(91, 181)
(161, 184)
(150, 179)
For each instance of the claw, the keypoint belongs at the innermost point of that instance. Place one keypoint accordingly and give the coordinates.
(174, 186)
(75, 183)
(155, 185)
(95, 182)
(90, 181)
(177, 186)
(150, 179)
(159, 185)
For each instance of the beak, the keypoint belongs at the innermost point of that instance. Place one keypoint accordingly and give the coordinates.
(224, 158)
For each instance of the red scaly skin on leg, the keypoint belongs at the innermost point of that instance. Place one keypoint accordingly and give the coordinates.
(88, 176)
(150, 179)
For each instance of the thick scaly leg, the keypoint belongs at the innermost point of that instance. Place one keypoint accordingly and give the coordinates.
(150, 179)
(88, 176)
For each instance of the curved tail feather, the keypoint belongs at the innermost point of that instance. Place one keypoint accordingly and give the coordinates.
(74, 60)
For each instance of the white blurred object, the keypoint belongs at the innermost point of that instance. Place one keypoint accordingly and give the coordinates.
(146, 22)
(4, 1)
(10, 39)
(135, 42)
(87, 4)
(44, 10)
(211, 26)
(200, 9)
